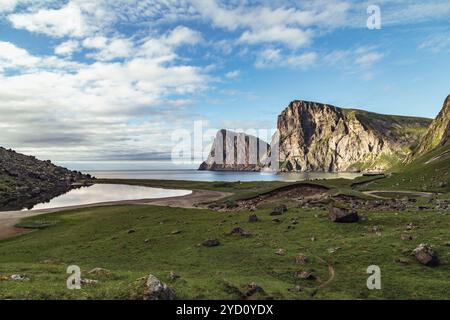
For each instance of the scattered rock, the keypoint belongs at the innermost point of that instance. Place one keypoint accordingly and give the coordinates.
(240, 232)
(411, 226)
(276, 220)
(342, 215)
(297, 288)
(425, 254)
(278, 211)
(99, 271)
(407, 237)
(301, 259)
(280, 252)
(211, 243)
(173, 275)
(88, 282)
(156, 290)
(147, 240)
(305, 275)
(131, 231)
(19, 277)
(253, 218)
(333, 250)
(253, 288)
(176, 232)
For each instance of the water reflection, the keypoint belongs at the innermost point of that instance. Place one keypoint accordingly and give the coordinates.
(224, 176)
(99, 193)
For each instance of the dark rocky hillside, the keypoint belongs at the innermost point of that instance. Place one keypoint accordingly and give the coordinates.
(25, 180)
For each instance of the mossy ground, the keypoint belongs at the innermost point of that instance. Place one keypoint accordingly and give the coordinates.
(99, 237)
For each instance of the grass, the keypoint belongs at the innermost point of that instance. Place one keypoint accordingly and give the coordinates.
(423, 174)
(99, 237)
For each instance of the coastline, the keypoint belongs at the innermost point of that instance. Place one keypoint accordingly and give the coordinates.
(9, 219)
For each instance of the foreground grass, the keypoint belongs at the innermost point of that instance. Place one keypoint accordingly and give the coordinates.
(99, 237)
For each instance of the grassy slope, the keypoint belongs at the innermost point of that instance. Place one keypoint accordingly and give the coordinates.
(420, 175)
(98, 237)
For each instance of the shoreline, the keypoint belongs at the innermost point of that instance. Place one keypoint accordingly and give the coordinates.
(9, 219)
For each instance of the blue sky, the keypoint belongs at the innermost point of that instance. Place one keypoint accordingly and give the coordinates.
(112, 80)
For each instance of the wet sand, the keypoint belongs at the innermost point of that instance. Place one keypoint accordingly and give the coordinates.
(9, 219)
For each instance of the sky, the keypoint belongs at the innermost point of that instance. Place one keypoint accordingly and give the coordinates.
(98, 80)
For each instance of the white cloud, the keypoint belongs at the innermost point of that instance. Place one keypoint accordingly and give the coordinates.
(436, 43)
(66, 21)
(302, 61)
(8, 5)
(67, 48)
(366, 57)
(268, 57)
(233, 74)
(14, 57)
(98, 109)
(276, 58)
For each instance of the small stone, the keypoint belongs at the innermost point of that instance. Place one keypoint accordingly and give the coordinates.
(305, 275)
(147, 240)
(253, 218)
(280, 252)
(99, 271)
(425, 254)
(301, 259)
(407, 237)
(211, 243)
(276, 220)
(19, 277)
(173, 275)
(131, 231)
(240, 232)
(297, 288)
(277, 211)
(253, 288)
(88, 282)
(156, 290)
(176, 232)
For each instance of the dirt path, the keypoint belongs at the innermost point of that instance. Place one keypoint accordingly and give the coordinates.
(375, 193)
(9, 219)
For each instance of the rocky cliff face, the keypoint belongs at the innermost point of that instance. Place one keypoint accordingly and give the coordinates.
(25, 180)
(233, 151)
(320, 137)
(437, 134)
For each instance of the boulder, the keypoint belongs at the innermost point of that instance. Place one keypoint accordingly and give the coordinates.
(277, 211)
(238, 231)
(156, 290)
(425, 254)
(211, 243)
(343, 215)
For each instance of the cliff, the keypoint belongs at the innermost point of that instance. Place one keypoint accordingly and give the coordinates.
(320, 137)
(437, 134)
(25, 180)
(233, 151)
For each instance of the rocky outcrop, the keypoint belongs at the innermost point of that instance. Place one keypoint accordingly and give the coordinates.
(313, 136)
(26, 181)
(233, 151)
(320, 137)
(437, 134)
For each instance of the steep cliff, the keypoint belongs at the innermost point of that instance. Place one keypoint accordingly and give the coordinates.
(233, 151)
(320, 137)
(437, 134)
(25, 180)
